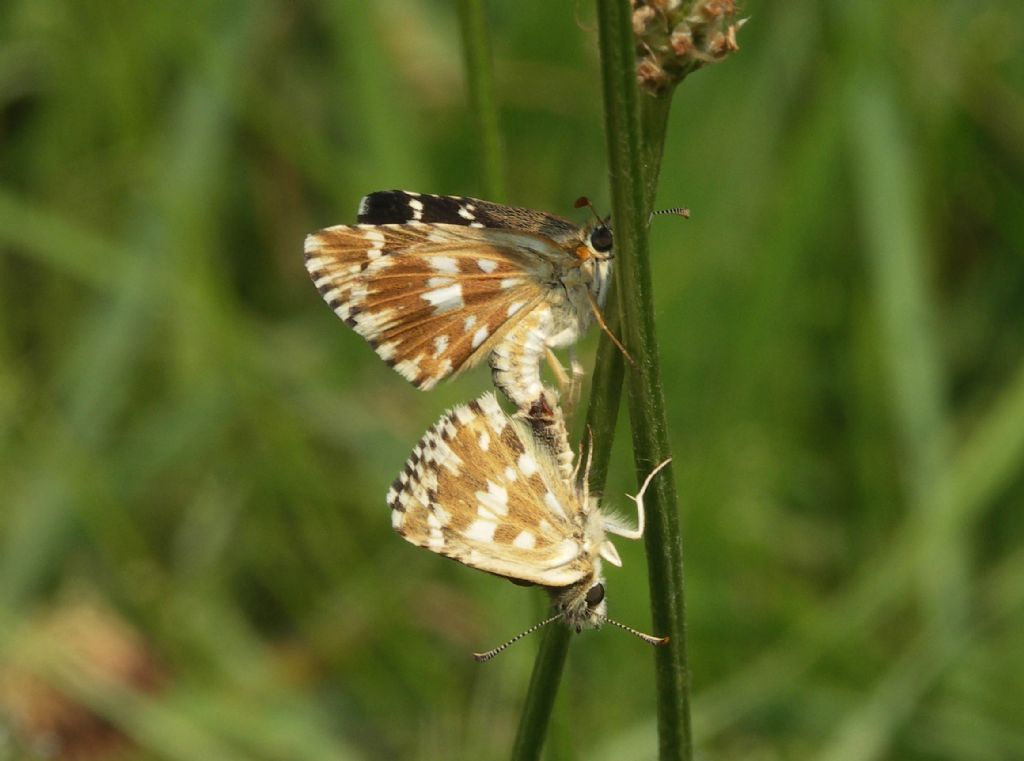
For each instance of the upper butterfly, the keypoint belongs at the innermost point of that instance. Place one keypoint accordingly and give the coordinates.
(437, 283)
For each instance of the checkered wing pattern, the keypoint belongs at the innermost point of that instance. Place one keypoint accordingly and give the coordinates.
(433, 300)
(481, 489)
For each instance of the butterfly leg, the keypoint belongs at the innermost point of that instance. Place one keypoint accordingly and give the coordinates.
(613, 527)
(576, 384)
(556, 367)
(596, 310)
(568, 385)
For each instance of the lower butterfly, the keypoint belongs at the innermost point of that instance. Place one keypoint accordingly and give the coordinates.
(500, 494)
(437, 284)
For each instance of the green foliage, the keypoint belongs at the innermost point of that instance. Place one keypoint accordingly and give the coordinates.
(187, 432)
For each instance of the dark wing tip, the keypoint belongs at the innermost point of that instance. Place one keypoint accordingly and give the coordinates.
(385, 207)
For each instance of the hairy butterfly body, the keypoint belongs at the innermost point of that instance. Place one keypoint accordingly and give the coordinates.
(436, 284)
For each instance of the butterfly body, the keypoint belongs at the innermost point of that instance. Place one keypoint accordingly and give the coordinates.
(436, 284)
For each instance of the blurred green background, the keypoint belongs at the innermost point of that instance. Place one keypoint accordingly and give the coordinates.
(190, 438)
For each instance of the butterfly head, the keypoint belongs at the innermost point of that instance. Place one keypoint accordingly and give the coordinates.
(599, 240)
(583, 606)
(594, 251)
(595, 255)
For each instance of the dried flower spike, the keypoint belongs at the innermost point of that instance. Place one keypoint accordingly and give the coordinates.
(674, 38)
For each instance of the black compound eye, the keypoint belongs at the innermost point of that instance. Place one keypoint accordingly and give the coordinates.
(601, 239)
(595, 594)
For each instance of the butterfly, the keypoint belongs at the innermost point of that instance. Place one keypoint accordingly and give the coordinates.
(437, 284)
(500, 494)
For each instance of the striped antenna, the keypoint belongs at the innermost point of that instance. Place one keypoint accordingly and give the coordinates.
(480, 657)
(676, 211)
(645, 637)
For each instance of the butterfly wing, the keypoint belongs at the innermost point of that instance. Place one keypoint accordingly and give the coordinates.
(433, 299)
(403, 206)
(480, 489)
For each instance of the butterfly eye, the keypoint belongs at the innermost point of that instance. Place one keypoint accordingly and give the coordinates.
(601, 239)
(594, 595)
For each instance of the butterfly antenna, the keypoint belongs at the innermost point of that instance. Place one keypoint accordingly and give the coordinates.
(584, 201)
(600, 321)
(480, 657)
(675, 211)
(650, 640)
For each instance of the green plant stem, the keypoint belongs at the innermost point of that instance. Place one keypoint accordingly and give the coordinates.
(547, 670)
(540, 697)
(654, 123)
(630, 183)
(479, 66)
(602, 414)
(605, 395)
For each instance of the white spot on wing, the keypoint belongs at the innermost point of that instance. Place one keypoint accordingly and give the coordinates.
(445, 299)
(480, 336)
(440, 344)
(554, 505)
(464, 415)
(387, 350)
(527, 464)
(495, 417)
(514, 307)
(524, 540)
(376, 238)
(510, 282)
(481, 531)
(487, 265)
(444, 264)
(469, 323)
(484, 441)
(439, 282)
(495, 499)
(376, 265)
(371, 324)
(565, 552)
(510, 474)
(489, 404)
(409, 368)
(443, 516)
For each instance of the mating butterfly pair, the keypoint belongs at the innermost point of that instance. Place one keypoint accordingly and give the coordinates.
(437, 284)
